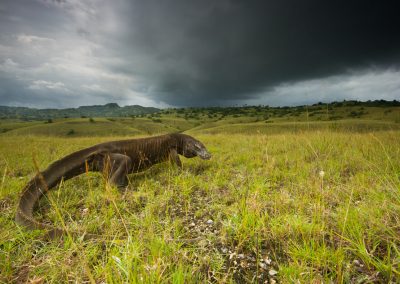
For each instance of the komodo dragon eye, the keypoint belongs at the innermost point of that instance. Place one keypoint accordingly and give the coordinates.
(197, 146)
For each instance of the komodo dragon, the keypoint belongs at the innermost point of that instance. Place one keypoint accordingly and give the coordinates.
(116, 158)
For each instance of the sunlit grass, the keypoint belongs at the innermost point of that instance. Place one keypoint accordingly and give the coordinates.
(266, 196)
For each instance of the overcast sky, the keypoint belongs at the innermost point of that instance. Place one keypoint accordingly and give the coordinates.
(68, 53)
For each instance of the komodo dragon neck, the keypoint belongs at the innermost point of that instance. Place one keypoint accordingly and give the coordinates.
(116, 159)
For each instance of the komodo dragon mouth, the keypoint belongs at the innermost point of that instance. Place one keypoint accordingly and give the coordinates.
(124, 156)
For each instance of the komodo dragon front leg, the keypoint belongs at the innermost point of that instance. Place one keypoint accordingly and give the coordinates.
(174, 158)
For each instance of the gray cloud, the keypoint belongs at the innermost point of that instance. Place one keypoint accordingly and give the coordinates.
(69, 53)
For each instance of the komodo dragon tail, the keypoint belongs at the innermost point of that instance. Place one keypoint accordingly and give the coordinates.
(63, 169)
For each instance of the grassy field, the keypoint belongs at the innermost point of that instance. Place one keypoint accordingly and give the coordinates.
(295, 200)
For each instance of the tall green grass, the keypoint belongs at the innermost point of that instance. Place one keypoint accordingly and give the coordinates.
(313, 206)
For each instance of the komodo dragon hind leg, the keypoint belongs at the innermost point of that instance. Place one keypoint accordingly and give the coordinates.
(116, 167)
(120, 166)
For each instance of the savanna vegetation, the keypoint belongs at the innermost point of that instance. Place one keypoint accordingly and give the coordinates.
(307, 194)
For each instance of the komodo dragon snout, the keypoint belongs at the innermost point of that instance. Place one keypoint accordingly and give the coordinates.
(193, 148)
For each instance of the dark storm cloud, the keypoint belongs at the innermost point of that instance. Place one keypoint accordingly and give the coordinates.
(199, 52)
(182, 52)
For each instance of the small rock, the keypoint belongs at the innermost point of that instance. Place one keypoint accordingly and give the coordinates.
(210, 222)
(272, 272)
(85, 211)
(203, 243)
(241, 255)
(224, 250)
(192, 224)
(272, 281)
(263, 265)
(36, 280)
(267, 260)
(356, 262)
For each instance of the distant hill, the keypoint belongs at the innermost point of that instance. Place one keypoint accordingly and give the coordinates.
(107, 110)
(318, 111)
(112, 120)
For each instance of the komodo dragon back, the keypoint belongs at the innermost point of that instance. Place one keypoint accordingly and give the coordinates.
(137, 155)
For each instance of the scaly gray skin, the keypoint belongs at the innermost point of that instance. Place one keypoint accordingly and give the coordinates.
(117, 159)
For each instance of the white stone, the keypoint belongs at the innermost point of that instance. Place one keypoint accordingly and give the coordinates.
(272, 272)
(267, 260)
(263, 265)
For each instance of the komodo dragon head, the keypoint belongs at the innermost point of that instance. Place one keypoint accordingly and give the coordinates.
(190, 147)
